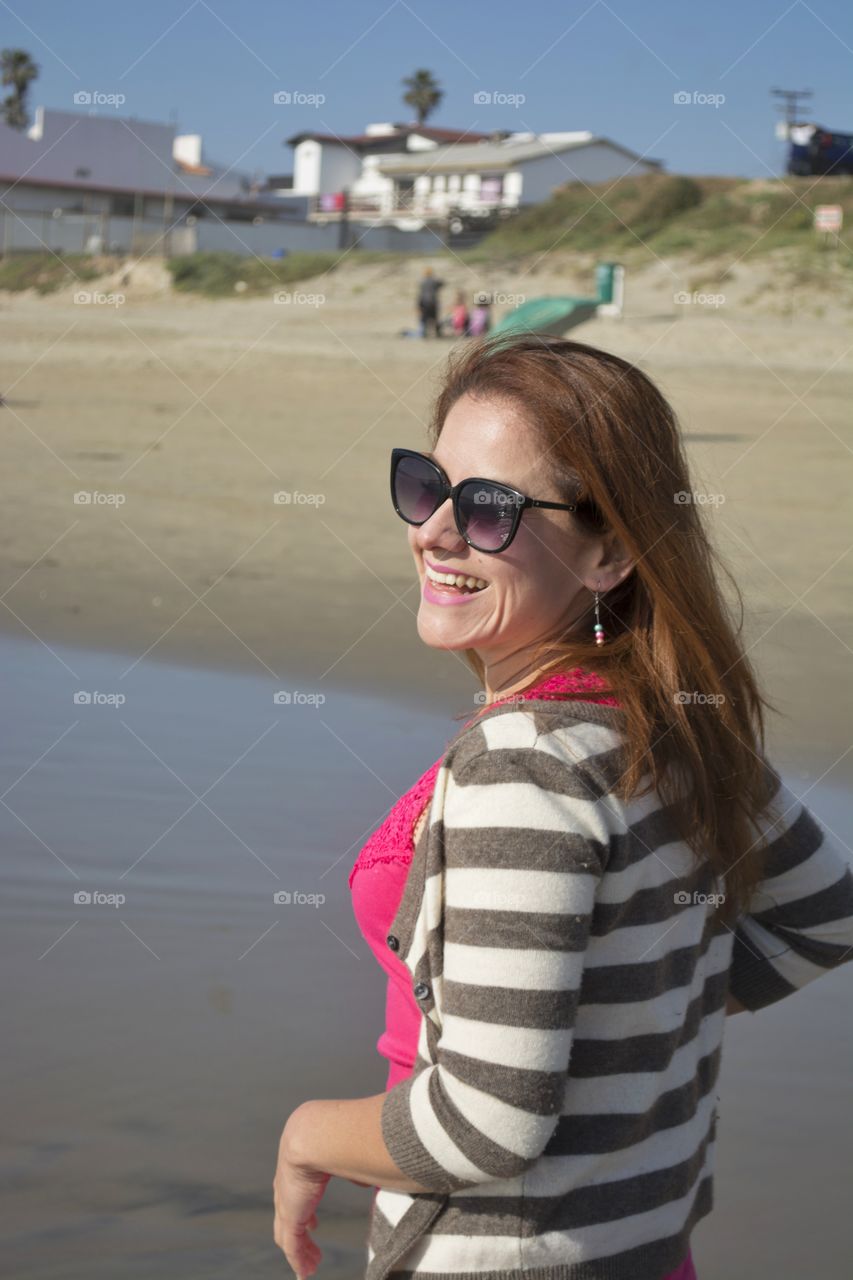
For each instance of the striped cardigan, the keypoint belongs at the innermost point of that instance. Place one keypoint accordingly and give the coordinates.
(561, 1111)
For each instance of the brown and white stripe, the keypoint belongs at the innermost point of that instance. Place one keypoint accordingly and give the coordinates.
(562, 945)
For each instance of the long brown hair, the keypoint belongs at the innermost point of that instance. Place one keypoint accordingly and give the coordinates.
(694, 721)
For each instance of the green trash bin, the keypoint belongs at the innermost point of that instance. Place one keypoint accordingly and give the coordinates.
(604, 274)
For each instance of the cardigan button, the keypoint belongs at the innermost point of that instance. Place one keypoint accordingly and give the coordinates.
(393, 942)
(421, 991)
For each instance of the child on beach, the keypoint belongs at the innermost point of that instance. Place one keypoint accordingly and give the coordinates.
(459, 316)
(480, 321)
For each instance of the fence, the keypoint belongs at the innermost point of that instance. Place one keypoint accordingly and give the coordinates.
(41, 229)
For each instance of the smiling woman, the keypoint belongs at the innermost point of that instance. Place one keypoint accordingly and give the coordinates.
(599, 866)
(583, 429)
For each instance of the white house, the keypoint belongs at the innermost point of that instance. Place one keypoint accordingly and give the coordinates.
(410, 170)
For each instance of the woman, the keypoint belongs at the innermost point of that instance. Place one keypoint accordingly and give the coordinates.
(605, 864)
(428, 303)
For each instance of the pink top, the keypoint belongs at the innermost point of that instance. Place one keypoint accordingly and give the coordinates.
(382, 867)
(377, 881)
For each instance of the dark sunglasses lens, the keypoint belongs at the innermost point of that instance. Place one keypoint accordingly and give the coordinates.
(417, 489)
(487, 513)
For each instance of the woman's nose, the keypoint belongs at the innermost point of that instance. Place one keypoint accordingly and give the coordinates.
(439, 530)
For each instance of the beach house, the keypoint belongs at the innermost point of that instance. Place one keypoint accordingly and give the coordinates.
(412, 172)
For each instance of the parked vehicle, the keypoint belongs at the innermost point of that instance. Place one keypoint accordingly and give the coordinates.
(461, 220)
(815, 150)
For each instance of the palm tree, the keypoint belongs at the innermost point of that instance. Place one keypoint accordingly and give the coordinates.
(18, 69)
(423, 94)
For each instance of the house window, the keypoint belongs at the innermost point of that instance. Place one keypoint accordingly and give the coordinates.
(405, 190)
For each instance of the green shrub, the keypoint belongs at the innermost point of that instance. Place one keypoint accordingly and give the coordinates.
(46, 272)
(216, 274)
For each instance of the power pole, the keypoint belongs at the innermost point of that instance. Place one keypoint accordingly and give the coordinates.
(790, 103)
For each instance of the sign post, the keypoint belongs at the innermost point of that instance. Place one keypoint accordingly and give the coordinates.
(828, 219)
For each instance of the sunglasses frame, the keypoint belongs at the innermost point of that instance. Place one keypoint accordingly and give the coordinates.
(519, 504)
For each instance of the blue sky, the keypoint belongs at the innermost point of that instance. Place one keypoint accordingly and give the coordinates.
(613, 68)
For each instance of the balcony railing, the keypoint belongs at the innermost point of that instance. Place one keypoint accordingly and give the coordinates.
(419, 206)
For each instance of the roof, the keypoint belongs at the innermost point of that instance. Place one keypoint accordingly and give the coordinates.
(78, 150)
(261, 203)
(390, 141)
(498, 155)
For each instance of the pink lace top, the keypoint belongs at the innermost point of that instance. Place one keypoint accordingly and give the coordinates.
(378, 878)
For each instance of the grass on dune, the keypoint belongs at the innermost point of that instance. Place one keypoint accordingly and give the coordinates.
(639, 219)
(46, 272)
(224, 274)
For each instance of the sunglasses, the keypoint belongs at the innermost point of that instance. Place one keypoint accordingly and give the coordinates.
(487, 513)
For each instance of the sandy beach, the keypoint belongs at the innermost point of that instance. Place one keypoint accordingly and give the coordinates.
(197, 413)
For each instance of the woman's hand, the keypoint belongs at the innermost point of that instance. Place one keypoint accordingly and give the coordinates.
(297, 1192)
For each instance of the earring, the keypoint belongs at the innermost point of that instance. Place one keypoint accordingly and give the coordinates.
(598, 628)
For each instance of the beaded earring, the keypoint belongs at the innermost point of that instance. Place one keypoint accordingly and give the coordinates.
(598, 628)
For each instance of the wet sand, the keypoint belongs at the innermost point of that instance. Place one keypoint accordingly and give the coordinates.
(155, 1046)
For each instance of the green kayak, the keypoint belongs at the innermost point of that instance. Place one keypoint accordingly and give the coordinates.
(547, 315)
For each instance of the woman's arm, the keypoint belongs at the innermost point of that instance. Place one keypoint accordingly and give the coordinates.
(799, 922)
(343, 1137)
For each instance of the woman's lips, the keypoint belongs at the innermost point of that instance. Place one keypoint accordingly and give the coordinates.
(435, 594)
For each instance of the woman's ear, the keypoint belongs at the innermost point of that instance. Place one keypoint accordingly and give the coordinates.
(612, 566)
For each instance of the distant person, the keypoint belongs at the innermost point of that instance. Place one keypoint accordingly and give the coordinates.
(481, 317)
(428, 302)
(459, 316)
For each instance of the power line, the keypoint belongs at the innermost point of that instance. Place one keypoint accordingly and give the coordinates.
(789, 106)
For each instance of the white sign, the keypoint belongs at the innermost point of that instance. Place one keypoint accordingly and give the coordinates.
(828, 217)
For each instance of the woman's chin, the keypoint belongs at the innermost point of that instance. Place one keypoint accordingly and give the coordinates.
(440, 633)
